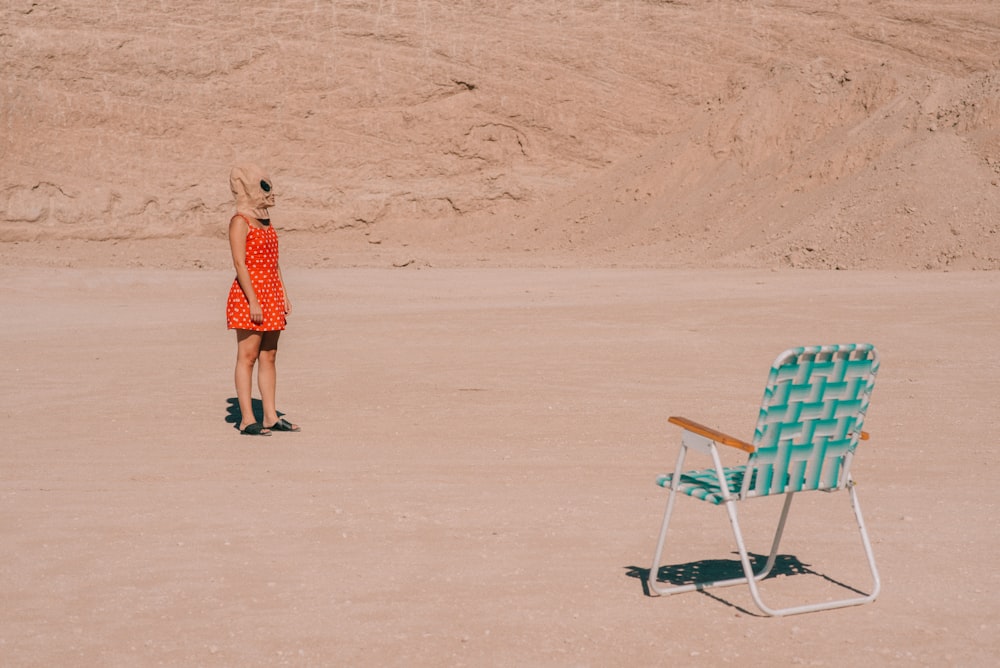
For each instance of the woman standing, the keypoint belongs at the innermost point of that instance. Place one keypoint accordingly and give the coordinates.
(258, 302)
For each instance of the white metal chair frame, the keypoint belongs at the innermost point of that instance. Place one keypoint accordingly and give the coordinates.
(823, 471)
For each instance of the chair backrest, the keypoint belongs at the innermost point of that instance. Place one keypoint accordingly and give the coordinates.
(810, 419)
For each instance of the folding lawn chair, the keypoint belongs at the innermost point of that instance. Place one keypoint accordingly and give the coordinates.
(809, 425)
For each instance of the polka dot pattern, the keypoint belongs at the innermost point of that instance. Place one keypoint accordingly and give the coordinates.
(262, 263)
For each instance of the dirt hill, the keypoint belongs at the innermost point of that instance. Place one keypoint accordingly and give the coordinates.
(862, 133)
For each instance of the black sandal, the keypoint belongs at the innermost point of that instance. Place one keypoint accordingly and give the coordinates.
(283, 425)
(255, 429)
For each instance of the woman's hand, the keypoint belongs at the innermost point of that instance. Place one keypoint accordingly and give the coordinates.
(256, 313)
(288, 305)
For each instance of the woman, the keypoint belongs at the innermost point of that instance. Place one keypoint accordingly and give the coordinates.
(258, 302)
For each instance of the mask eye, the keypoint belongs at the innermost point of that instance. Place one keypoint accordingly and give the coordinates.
(265, 186)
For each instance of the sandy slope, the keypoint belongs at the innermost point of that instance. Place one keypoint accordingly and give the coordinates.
(858, 134)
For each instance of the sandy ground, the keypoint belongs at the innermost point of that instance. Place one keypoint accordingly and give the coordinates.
(474, 481)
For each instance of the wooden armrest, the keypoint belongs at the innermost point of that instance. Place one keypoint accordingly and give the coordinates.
(713, 434)
(723, 438)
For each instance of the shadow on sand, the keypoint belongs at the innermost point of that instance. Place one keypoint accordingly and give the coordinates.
(234, 416)
(724, 569)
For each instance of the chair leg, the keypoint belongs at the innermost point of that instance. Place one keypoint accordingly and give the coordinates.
(752, 579)
(657, 590)
(866, 541)
(772, 556)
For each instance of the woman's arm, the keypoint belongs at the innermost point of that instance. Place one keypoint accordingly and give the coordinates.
(284, 292)
(238, 229)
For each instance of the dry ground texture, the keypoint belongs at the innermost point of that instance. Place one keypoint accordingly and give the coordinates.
(518, 236)
(474, 481)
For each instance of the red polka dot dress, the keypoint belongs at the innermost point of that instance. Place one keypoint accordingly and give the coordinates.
(262, 264)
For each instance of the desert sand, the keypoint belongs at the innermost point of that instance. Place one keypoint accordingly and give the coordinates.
(518, 236)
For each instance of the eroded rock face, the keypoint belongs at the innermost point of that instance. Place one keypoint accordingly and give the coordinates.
(862, 135)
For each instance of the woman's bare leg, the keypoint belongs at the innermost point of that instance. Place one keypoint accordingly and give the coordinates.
(248, 344)
(267, 378)
(267, 375)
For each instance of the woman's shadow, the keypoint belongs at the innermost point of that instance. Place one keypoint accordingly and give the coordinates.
(234, 416)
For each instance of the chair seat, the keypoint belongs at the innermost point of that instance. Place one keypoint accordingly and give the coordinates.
(704, 485)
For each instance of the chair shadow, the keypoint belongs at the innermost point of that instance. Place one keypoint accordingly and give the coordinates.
(234, 416)
(707, 570)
